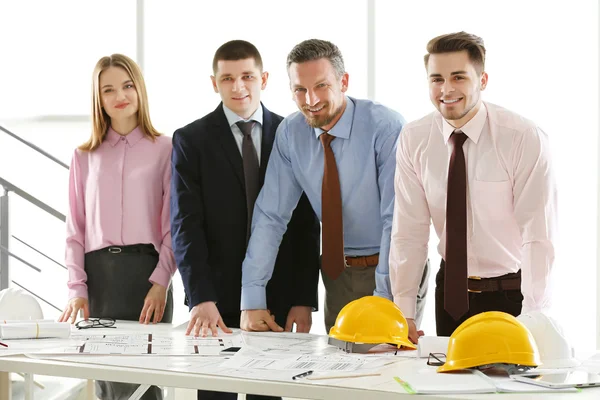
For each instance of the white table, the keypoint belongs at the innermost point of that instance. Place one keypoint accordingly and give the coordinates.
(162, 377)
(206, 382)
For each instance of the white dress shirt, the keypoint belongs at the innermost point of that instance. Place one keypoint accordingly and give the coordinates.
(233, 118)
(511, 202)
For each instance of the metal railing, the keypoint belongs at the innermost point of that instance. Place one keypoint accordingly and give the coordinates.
(16, 257)
(39, 252)
(34, 147)
(9, 187)
(5, 251)
(35, 295)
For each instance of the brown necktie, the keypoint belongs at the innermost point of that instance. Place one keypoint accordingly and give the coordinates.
(251, 170)
(332, 260)
(456, 296)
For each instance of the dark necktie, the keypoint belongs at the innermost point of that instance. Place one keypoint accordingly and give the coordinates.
(456, 296)
(332, 260)
(251, 170)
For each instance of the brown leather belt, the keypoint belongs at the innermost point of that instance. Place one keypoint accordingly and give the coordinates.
(362, 261)
(504, 282)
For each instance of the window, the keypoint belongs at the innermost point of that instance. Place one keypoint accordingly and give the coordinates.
(47, 64)
(182, 37)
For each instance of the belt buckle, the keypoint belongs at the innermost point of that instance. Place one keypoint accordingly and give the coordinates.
(476, 278)
(114, 250)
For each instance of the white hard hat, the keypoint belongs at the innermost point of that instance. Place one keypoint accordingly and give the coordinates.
(17, 304)
(555, 350)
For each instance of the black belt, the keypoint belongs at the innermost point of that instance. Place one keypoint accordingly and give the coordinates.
(145, 248)
(505, 282)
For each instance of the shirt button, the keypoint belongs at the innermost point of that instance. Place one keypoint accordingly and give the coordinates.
(123, 139)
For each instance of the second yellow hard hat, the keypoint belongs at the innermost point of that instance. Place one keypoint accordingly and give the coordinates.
(490, 338)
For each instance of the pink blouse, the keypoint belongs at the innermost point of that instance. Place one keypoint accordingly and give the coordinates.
(119, 195)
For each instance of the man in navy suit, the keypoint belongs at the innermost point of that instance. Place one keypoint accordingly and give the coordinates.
(219, 163)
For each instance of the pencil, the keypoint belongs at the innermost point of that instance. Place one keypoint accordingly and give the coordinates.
(3, 344)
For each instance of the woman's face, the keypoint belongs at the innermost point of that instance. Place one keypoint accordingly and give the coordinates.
(118, 94)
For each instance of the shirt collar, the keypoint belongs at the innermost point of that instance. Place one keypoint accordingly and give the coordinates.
(131, 139)
(472, 128)
(233, 118)
(342, 128)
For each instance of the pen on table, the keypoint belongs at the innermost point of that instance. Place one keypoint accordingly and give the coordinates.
(302, 375)
(3, 344)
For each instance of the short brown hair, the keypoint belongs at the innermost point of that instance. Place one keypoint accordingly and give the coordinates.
(237, 50)
(315, 49)
(459, 41)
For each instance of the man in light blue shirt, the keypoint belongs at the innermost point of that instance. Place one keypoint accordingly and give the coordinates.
(363, 136)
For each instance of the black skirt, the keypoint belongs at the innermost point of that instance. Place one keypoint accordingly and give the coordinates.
(117, 280)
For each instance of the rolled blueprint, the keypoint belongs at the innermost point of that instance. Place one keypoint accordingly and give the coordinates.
(20, 321)
(33, 330)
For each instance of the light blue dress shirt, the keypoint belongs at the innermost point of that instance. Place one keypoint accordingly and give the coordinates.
(233, 118)
(365, 149)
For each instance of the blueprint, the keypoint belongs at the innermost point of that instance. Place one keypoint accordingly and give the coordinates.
(146, 344)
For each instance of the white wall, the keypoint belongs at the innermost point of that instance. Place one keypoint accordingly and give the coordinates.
(182, 37)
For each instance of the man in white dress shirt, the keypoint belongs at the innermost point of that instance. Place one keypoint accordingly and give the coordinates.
(483, 175)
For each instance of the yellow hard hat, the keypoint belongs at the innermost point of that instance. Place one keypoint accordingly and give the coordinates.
(371, 319)
(490, 338)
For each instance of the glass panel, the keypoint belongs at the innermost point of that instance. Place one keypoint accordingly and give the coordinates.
(182, 37)
(47, 64)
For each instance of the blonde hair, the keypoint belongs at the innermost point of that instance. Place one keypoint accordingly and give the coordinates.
(100, 119)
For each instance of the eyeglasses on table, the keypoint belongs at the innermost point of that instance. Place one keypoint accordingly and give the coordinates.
(96, 323)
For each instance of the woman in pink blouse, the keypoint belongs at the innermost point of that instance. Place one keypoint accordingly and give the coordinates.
(118, 249)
